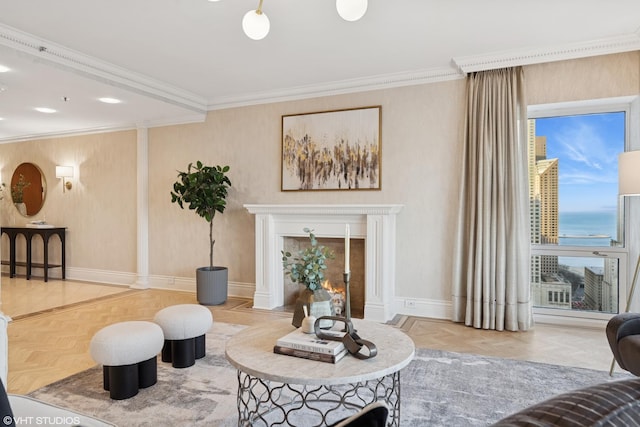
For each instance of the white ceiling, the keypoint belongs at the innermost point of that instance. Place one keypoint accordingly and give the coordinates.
(170, 61)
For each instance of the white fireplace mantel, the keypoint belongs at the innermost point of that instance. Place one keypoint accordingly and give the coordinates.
(376, 224)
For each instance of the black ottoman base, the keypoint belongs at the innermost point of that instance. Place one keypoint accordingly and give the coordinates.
(183, 353)
(200, 347)
(148, 372)
(123, 382)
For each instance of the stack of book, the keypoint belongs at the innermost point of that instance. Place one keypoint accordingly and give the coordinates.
(309, 346)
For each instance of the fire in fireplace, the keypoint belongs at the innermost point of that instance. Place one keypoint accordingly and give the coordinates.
(337, 297)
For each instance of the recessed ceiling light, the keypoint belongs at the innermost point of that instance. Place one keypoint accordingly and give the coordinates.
(46, 110)
(4, 69)
(109, 100)
(1, 119)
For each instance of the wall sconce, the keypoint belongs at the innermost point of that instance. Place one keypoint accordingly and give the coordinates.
(64, 172)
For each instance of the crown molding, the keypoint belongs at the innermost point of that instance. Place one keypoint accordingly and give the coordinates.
(172, 121)
(194, 118)
(93, 68)
(341, 87)
(53, 54)
(618, 44)
(63, 134)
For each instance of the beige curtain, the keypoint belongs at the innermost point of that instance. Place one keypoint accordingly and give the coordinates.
(492, 261)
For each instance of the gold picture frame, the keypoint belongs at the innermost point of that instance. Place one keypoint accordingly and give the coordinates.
(332, 150)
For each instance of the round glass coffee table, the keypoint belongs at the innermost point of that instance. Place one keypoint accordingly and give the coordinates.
(286, 390)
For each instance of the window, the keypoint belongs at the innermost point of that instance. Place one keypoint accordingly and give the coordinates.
(576, 216)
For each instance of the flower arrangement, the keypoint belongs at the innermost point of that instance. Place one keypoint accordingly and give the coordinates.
(307, 268)
(17, 191)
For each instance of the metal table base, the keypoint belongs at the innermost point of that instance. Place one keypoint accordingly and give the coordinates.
(267, 403)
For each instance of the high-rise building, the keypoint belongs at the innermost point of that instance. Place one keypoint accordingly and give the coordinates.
(534, 203)
(610, 286)
(547, 288)
(593, 282)
(547, 192)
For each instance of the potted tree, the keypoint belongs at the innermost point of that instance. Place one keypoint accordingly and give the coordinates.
(204, 190)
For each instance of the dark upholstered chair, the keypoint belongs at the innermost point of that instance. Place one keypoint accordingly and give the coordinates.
(623, 334)
(609, 404)
(373, 415)
(5, 408)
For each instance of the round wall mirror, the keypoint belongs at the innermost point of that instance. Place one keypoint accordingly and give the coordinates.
(28, 189)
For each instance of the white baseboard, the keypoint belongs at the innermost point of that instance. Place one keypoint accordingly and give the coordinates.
(98, 276)
(242, 290)
(442, 310)
(186, 284)
(82, 274)
(435, 309)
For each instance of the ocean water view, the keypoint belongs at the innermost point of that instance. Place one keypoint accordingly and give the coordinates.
(596, 228)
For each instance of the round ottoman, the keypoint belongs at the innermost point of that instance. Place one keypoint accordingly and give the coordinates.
(128, 353)
(184, 327)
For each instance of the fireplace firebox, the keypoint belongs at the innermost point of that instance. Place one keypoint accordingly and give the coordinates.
(334, 274)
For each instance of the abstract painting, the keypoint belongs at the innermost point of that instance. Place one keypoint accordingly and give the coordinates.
(332, 150)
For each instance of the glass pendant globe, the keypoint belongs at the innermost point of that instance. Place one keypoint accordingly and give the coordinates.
(256, 26)
(351, 10)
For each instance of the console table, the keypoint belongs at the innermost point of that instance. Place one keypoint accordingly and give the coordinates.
(286, 390)
(28, 233)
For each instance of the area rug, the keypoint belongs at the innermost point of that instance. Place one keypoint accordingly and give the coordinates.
(439, 388)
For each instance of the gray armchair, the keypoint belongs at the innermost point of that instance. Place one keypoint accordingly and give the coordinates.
(623, 334)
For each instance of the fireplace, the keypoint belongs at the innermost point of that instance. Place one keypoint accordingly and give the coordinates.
(334, 274)
(375, 224)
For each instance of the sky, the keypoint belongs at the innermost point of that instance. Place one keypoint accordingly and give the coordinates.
(587, 147)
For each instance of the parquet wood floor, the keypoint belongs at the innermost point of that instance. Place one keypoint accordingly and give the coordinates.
(52, 342)
(566, 346)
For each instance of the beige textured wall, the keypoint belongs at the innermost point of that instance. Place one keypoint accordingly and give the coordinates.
(421, 148)
(583, 79)
(100, 209)
(420, 160)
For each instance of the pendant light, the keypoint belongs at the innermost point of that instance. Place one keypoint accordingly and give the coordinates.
(351, 10)
(256, 24)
